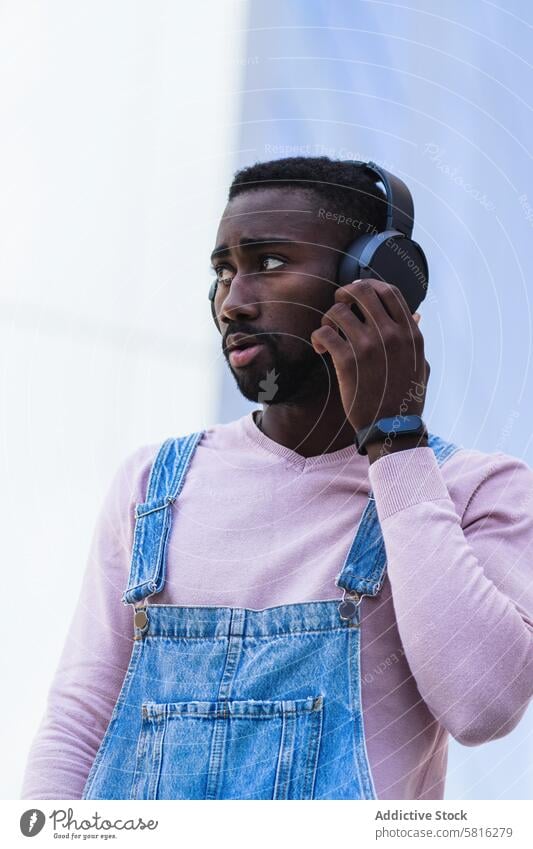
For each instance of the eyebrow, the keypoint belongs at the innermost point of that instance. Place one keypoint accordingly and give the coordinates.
(223, 250)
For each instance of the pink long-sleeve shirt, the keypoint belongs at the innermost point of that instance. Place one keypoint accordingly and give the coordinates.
(446, 645)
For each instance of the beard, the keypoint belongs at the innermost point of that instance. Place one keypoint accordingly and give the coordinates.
(282, 377)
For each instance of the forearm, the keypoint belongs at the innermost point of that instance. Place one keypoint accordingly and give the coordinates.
(95, 657)
(469, 646)
(64, 749)
(80, 702)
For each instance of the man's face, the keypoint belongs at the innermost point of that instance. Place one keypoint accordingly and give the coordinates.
(276, 261)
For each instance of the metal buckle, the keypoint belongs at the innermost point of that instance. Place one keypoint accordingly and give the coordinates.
(140, 617)
(348, 604)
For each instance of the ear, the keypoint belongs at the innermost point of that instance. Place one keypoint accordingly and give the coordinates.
(417, 317)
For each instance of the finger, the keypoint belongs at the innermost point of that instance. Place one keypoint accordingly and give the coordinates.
(392, 300)
(341, 317)
(326, 340)
(364, 294)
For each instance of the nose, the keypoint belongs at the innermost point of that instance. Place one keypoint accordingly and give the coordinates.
(241, 302)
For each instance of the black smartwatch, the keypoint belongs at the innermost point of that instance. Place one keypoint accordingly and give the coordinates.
(393, 426)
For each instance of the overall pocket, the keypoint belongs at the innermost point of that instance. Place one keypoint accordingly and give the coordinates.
(230, 749)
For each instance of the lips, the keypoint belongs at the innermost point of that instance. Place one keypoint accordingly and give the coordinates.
(240, 340)
(242, 356)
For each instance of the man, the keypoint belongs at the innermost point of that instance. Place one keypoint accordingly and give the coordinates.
(252, 672)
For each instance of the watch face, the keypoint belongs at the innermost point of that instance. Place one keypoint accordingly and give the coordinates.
(399, 424)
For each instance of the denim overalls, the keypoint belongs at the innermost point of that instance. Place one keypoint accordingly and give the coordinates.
(237, 703)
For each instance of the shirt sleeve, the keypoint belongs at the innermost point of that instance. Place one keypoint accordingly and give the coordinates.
(460, 565)
(97, 648)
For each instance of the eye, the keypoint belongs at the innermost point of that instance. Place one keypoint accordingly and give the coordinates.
(223, 273)
(267, 260)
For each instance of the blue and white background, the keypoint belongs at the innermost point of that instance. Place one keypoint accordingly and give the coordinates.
(122, 124)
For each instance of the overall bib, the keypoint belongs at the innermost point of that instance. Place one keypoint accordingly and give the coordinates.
(237, 703)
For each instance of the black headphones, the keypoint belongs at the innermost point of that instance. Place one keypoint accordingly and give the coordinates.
(390, 255)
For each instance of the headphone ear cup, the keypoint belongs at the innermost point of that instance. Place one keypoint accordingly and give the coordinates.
(350, 267)
(389, 256)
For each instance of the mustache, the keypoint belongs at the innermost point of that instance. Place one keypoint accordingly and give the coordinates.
(263, 336)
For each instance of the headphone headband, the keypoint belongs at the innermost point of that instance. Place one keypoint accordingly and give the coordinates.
(400, 208)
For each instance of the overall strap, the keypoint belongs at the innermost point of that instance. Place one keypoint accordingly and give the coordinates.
(365, 566)
(153, 517)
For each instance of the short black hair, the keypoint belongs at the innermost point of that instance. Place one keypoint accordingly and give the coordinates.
(344, 185)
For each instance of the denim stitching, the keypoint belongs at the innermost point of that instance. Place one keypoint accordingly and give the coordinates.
(157, 758)
(285, 755)
(155, 636)
(142, 745)
(313, 750)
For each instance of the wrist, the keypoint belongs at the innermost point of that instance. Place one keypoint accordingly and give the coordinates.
(388, 431)
(391, 444)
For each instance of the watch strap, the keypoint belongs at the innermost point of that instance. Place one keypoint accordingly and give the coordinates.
(397, 425)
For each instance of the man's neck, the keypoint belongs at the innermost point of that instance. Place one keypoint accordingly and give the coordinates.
(306, 430)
